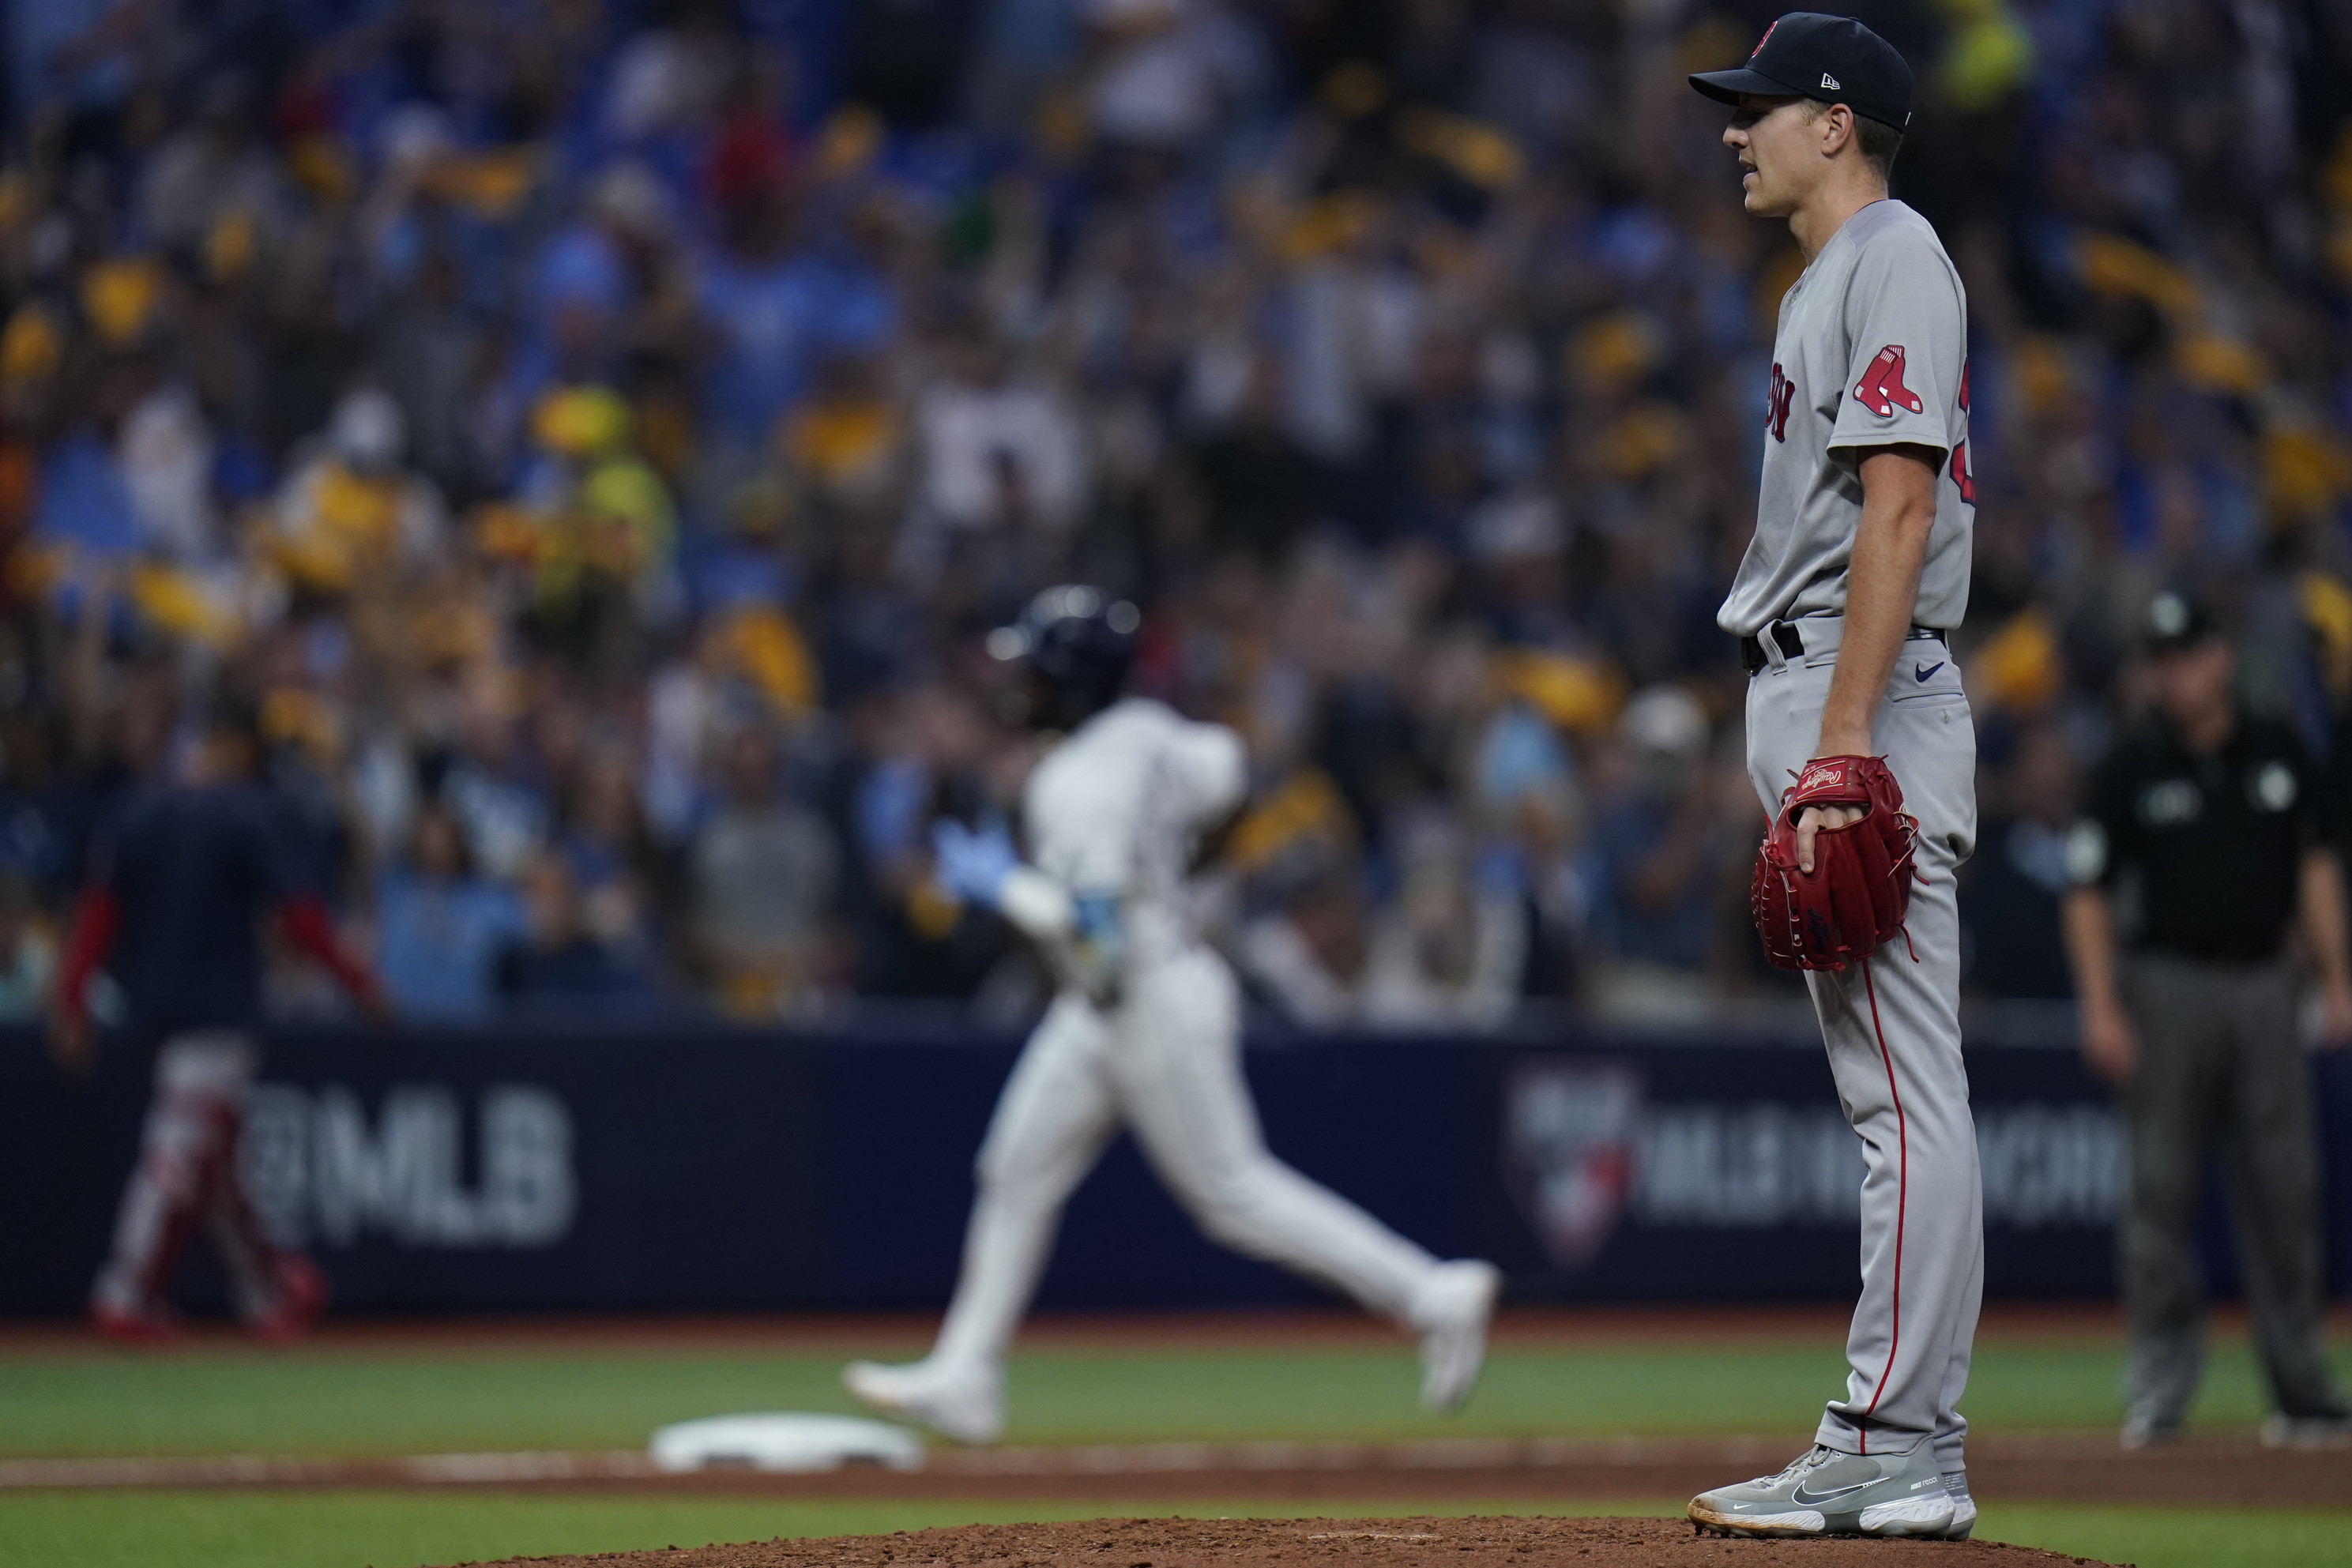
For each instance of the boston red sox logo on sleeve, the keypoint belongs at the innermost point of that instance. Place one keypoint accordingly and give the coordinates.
(1881, 387)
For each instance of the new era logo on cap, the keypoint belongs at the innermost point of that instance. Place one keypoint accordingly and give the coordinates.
(1808, 54)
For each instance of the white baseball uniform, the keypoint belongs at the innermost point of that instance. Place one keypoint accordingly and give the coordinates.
(1871, 351)
(1112, 816)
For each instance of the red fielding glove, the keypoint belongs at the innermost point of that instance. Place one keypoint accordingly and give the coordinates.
(1860, 888)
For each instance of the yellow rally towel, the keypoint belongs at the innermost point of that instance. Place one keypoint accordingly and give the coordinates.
(764, 646)
(1574, 694)
(2019, 667)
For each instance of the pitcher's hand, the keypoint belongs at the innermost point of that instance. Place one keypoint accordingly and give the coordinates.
(1815, 820)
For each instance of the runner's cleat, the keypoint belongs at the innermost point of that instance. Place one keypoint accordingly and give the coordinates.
(1452, 1315)
(301, 1297)
(966, 1407)
(1826, 1492)
(150, 1323)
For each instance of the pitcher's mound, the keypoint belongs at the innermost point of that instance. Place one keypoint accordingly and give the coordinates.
(1388, 1543)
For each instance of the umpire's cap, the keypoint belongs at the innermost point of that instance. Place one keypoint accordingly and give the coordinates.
(1077, 637)
(1832, 58)
(2175, 622)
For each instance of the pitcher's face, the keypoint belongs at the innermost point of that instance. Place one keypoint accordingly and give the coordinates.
(1778, 148)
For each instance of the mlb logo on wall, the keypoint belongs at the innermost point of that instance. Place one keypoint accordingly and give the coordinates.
(323, 1171)
(1569, 1142)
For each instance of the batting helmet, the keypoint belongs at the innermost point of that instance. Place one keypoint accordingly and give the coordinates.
(1079, 641)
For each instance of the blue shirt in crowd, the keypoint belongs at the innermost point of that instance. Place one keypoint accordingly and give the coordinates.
(437, 942)
(776, 321)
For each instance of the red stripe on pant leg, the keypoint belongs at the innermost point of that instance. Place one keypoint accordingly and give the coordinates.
(254, 1262)
(1902, 1192)
(154, 1271)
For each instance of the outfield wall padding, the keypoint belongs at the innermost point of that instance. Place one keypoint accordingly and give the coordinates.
(633, 1166)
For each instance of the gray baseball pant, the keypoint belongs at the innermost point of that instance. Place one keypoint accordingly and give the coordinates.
(2221, 1070)
(1892, 1026)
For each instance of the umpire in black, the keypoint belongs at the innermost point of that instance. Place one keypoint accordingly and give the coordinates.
(2206, 842)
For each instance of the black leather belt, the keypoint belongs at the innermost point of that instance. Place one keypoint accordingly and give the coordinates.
(1791, 643)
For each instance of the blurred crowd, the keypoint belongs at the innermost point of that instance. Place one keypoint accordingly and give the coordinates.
(599, 434)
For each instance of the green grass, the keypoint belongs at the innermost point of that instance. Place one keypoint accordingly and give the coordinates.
(395, 1530)
(428, 1400)
(324, 1399)
(2177, 1537)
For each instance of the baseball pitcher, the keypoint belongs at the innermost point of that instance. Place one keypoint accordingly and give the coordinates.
(1144, 1031)
(1861, 747)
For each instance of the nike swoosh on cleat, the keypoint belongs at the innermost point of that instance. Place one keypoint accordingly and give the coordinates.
(1921, 676)
(1804, 1499)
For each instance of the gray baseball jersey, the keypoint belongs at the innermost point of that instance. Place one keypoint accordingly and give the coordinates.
(1872, 350)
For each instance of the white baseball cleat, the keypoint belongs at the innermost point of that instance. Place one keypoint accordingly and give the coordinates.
(1452, 1315)
(967, 1405)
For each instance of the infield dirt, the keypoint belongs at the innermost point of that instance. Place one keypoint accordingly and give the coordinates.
(1303, 1542)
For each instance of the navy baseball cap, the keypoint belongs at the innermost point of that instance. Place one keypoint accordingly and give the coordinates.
(1075, 635)
(1834, 58)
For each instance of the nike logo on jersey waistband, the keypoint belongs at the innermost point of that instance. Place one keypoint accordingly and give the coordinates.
(1919, 674)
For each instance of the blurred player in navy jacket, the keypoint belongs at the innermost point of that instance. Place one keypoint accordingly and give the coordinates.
(174, 913)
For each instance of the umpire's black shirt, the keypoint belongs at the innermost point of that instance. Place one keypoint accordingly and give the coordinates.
(2215, 843)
